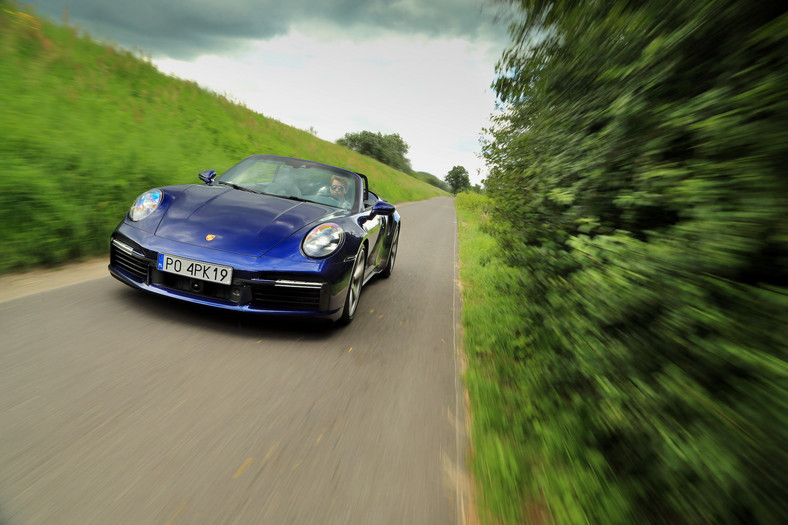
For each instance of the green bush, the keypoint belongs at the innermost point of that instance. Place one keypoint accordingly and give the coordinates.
(640, 205)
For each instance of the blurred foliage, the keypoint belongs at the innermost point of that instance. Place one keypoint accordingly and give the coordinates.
(636, 245)
(86, 127)
(388, 149)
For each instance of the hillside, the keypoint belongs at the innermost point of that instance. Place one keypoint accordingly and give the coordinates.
(87, 126)
(429, 178)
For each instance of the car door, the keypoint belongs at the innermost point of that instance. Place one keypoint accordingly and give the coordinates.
(375, 228)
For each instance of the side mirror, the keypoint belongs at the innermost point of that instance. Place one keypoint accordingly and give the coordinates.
(380, 208)
(207, 176)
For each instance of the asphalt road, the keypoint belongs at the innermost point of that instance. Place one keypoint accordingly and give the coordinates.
(119, 407)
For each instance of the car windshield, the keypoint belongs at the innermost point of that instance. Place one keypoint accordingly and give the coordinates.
(294, 179)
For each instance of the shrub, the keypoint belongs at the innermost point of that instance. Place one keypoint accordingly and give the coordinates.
(638, 185)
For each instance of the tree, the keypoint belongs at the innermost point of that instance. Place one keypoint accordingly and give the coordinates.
(388, 149)
(459, 179)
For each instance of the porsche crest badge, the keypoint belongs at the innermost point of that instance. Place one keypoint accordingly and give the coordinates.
(210, 237)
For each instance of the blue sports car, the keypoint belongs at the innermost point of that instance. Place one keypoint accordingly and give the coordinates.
(273, 235)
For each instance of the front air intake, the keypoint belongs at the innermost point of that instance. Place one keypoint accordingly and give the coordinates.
(125, 258)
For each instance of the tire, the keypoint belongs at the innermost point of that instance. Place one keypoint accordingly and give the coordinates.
(354, 287)
(386, 273)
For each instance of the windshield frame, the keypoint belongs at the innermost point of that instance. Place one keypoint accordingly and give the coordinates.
(235, 175)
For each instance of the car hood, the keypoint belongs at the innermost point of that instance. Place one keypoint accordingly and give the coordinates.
(234, 220)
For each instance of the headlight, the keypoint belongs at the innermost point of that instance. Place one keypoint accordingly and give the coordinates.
(323, 240)
(145, 204)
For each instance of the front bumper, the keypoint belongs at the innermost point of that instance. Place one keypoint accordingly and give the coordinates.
(263, 285)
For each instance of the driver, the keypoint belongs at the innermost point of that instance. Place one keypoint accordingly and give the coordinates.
(340, 190)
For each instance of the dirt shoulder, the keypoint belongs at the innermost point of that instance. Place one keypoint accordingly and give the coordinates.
(13, 286)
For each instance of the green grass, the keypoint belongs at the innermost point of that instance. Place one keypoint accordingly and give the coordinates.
(86, 127)
(486, 316)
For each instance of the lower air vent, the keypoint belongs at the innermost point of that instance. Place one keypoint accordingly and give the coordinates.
(123, 257)
(287, 295)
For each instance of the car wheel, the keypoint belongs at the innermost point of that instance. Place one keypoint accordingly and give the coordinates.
(386, 273)
(354, 287)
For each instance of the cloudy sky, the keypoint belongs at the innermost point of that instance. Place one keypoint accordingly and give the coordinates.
(420, 68)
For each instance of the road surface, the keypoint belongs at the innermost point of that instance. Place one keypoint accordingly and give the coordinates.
(119, 407)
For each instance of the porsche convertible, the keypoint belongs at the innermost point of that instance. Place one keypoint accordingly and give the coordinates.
(273, 235)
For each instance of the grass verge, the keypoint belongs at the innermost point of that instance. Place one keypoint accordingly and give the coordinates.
(486, 312)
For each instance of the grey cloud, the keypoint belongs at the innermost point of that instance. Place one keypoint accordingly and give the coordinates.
(186, 28)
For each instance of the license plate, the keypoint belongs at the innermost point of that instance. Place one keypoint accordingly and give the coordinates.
(196, 269)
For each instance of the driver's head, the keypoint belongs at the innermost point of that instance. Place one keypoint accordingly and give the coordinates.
(340, 186)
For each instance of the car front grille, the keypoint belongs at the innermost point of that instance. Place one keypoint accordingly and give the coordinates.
(273, 295)
(123, 256)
